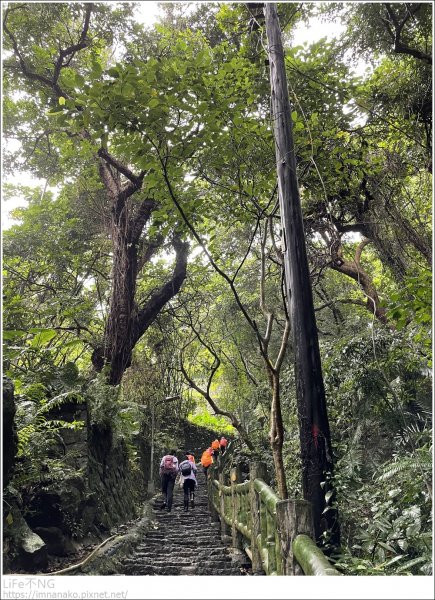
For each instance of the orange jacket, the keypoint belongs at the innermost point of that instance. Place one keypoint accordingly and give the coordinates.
(206, 458)
(215, 445)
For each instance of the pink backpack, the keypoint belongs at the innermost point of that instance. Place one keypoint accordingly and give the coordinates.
(168, 465)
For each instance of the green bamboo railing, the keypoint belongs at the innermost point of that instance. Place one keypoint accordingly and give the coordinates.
(275, 556)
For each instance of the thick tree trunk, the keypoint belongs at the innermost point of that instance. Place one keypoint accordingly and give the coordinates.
(118, 344)
(316, 453)
(127, 321)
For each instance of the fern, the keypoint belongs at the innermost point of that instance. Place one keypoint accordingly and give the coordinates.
(24, 436)
(58, 401)
(408, 463)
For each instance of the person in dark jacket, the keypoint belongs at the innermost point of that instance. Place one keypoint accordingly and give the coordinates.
(168, 472)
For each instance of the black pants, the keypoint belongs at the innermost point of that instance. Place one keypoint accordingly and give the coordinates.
(188, 489)
(168, 482)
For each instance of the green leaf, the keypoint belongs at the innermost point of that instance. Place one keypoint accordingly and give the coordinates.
(79, 80)
(394, 560)
(43, 337)
(86, 118)
(13, 334)
(387, 547)
(61, 100)
(328, 496)
(96, 70)
(411, 563)
(72, 344)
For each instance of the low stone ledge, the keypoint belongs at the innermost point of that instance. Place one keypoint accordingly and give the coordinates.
(105, 559)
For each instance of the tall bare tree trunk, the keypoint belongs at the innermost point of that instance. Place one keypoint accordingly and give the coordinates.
(316, 453)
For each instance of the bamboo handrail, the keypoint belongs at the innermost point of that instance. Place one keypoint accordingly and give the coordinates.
(309, 557)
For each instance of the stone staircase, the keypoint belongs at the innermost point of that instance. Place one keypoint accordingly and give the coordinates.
(184, 543)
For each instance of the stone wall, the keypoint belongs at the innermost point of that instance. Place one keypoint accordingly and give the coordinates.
(22, 548)
(10, 440)
(116, 488)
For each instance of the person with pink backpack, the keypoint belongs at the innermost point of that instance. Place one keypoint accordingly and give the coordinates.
(168, 472)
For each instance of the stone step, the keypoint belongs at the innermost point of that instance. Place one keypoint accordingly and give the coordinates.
(174, 543)
(187, 535)
(152, 570)
(175, 563)
(183, 525)
(178, 554)
(147, 550)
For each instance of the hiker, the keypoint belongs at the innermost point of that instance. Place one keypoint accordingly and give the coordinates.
(215, 446)
(188, 472)
(168, 472)
(207, 459)
(223, 442)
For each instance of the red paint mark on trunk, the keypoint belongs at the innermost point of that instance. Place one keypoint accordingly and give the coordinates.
(315, 433)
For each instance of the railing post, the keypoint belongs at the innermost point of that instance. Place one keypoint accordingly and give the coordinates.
(293, 517)
(237, 538)
(214, 516)
(271, 544)
(225, 529)
(258, 470)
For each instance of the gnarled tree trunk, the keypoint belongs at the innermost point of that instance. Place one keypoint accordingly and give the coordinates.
(127, 320)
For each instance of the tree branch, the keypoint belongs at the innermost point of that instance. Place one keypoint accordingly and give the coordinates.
(145, 209)
(136, 180)
(71, 50)
(341, 301)
(147, 313)
(206, 394)
(399, 46)
(191, 228)
(24, 68)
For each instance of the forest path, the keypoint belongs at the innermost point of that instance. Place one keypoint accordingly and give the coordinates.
(185, 543)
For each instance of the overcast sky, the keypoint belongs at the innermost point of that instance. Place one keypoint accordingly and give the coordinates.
(148, 12)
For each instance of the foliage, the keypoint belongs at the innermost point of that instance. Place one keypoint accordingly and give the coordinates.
(212, 422)
(411, 308)
(391, 515)
(41, 455)
(383, 448)
(187, 103)
(103, 400)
